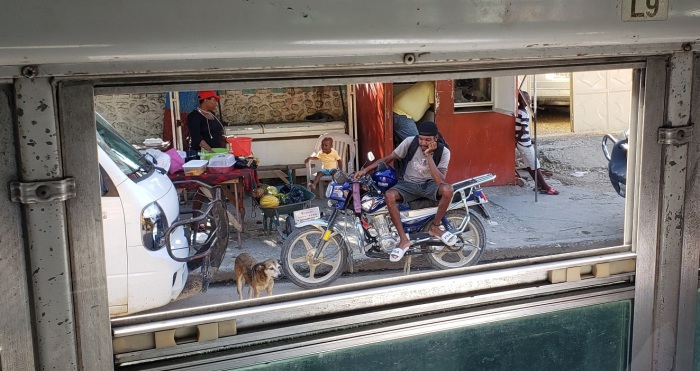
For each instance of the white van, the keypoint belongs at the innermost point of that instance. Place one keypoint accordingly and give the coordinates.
(552, 89)
(139, 205)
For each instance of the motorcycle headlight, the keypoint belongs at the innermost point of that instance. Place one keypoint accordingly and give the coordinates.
(153, 227)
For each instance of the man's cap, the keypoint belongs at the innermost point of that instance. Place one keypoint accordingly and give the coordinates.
(204, 94)
(428, 128)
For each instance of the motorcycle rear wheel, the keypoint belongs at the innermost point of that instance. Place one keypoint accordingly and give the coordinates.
(474, 237)
(299, 264)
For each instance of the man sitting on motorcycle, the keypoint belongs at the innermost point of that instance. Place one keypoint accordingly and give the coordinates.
(424, 176)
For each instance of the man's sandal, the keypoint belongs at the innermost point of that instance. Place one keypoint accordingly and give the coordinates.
(447, 237)
(397, 254)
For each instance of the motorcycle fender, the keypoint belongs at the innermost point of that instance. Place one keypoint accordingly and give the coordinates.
(318, 223)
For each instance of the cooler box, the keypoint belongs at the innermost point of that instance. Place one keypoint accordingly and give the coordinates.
(195, 167)
(284, 143)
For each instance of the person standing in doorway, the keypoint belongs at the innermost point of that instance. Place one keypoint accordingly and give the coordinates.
(206, 131)
(409, 107)
(523, 143)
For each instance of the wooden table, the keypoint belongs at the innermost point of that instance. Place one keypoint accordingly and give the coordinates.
(282, 172)
(229, 183)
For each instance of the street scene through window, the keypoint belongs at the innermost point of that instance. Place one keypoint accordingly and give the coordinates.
(278, 200)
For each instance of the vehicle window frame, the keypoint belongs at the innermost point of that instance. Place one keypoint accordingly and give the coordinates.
(520, 268)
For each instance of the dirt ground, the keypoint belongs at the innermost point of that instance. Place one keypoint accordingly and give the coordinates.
(573, 158)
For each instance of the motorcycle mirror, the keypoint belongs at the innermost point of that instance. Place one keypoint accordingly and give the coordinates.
(370, 158)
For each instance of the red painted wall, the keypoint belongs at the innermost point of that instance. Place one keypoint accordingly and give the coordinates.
(374, 124)
(480, 142)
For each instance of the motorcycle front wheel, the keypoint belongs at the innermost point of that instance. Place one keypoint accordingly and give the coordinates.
(298, 258)
(474, 239)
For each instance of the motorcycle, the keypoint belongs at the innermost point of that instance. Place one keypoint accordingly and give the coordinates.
(317, 251)
(617, 161)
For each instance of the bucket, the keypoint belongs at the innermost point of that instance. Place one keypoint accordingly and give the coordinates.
(240, 146)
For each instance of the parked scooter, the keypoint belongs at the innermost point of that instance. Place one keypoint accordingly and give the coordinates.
(617, 160)
(317, 251)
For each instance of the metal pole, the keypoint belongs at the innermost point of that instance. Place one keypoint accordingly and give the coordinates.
(173, 104)
(533, 101)
(175, 111)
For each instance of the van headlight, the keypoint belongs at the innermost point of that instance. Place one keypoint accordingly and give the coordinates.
(153, 227)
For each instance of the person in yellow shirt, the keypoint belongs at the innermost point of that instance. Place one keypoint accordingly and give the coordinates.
(330, 161)
(409, 106)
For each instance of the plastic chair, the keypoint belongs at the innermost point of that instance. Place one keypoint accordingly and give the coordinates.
(345, 146)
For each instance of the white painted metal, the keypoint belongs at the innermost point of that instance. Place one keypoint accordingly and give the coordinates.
(134, 37)
(114, 234)
(601, 100)
(504, 94)
(552, 88)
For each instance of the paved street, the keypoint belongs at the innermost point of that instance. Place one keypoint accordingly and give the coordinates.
(587, 214)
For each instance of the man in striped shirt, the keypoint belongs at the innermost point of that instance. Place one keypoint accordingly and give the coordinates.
(524, 145)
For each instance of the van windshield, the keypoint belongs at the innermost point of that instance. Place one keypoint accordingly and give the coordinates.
(129, 160)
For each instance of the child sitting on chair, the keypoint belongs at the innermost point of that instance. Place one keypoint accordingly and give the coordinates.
(330, 161)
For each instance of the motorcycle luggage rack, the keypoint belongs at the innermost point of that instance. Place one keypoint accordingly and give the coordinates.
(473, 181)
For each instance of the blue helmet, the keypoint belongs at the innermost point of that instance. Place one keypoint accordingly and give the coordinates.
(385, 177)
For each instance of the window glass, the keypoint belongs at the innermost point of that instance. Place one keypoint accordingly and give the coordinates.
(130, 161)
(473, 92)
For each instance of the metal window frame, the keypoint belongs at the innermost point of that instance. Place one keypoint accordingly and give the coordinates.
(647, 193)
(519, 272)
(389, 325)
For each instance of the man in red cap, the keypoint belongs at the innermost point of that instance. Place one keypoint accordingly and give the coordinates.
(206, 131)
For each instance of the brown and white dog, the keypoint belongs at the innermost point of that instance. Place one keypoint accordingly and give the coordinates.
(259, 276)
